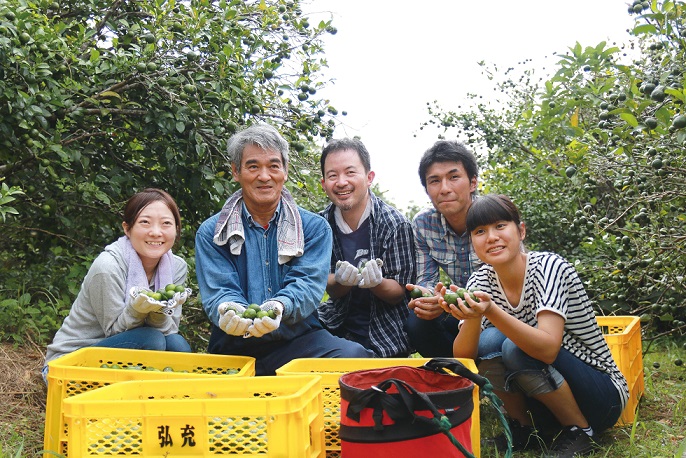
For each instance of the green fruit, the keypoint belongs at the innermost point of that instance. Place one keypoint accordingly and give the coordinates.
(678, 362)
(262, 314)
(679, 122)
(415, 293)
(651, 123)
(657, 163)
(648, 88)
(190, 88)
(168, 369)
(180, 289)
(450, 297)
(170, 287)
(570, 171)
(157, 296)
(255, 307)
(141, 66)
(658, 94)
(250, 314)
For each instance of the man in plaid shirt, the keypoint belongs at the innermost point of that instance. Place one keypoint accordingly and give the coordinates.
(449, 173)
(373, 255)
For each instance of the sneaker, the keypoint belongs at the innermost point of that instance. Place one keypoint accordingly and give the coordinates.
(524, 437)
(572, 441)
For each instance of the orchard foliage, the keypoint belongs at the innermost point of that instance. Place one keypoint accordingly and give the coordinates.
(595, 157)
(101, 98)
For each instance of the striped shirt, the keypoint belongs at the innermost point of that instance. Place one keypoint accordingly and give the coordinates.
(438, 246)
(391, 240)
(552, 284)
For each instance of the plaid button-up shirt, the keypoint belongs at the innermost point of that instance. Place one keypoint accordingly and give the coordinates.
(391, 240)
(438, 246)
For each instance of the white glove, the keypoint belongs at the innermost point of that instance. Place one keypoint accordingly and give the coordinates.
(182, 297)
(371, 274)
(230, 319)
(177, 300)
(143, 304)
(265, 325)
(347, 274)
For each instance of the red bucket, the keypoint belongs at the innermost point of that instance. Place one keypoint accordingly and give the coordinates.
(407, 411)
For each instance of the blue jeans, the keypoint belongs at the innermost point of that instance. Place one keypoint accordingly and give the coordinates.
(508, 368)
(142, 338)
(146, 338)
(271, 355)
(432, 338)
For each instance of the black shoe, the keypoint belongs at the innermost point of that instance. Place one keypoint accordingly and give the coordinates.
(524, 437)
(572, 441)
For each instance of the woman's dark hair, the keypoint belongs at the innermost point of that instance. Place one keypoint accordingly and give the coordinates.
(142, 199)
(491, 208)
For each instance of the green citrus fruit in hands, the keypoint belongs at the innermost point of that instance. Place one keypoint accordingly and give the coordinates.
(450, 297)
(415, 293)
(250, 313)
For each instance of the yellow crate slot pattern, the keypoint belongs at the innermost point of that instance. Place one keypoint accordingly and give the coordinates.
(332, 412)
(623, 336)
(239, 435)
(114, 436)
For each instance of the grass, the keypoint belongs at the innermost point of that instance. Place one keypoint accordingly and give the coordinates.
(658, 431)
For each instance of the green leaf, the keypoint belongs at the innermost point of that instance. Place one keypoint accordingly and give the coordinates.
(645, 28)
(629, 118)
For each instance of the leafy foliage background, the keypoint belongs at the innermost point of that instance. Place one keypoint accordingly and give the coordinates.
(594, 156)
(99, 99)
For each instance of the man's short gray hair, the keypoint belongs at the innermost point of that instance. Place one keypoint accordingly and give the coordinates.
(262, 135)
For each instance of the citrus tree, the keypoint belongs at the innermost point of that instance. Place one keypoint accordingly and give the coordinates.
(594, 156)
(101, 98)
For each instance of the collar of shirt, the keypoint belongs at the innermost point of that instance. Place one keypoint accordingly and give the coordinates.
(343, 226)
(252, 222)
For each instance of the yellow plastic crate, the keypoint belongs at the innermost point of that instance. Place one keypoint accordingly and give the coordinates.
(242, 416)
(80, 371)
(331, 369)
(623, 335)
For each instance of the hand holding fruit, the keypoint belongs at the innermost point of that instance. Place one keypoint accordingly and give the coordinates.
(268, 319)
(347, 274)
(231, 319)
(464, 304)
(160, 301)
(423, 303)
(141, 303)
(371, 274)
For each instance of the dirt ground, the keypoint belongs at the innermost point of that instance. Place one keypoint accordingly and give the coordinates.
(22, 394)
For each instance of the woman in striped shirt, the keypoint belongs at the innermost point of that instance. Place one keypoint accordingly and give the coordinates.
(532, 330)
